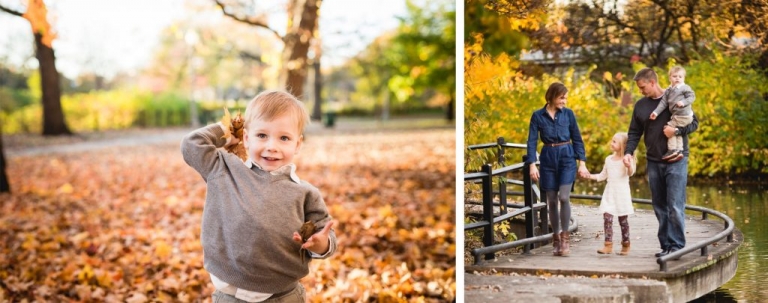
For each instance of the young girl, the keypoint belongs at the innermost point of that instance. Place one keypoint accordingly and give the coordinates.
(617, 199)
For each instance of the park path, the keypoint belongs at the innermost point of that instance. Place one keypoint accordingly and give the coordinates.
(34, 145)
(526, 277)
(89, 143)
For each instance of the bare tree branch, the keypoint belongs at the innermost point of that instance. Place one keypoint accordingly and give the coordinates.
(10, 11)
(245, 20)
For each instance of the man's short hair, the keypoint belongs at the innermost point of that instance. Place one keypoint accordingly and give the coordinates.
(646, 74)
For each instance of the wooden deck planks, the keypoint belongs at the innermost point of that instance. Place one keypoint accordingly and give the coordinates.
(640, 263)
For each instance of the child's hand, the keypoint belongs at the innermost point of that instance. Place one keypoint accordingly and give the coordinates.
(231, 140)
(680, 104)
(628, 160)
(317, 243)
(653, 116)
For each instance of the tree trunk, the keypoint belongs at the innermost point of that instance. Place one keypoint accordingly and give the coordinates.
(4, 186)
(317, 111)
(450, 113)
(53, 115)
(301, 29)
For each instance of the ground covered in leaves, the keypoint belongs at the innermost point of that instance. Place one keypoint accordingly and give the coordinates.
(122, 224)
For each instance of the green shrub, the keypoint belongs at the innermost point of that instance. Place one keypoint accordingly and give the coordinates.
(730, 104)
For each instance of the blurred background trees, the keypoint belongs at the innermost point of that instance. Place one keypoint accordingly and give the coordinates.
(36, 13)
(515, 49)
(222, 53)
(411, 69)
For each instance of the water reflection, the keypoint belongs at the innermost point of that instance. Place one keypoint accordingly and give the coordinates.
(747, 205)
(718, 296)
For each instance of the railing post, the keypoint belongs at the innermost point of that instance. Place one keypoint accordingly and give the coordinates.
(502, 179)
(528, 196)
(544, 213)
(730, 235)
(488, 208)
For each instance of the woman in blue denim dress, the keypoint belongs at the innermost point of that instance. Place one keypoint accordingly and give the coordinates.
(557, 127)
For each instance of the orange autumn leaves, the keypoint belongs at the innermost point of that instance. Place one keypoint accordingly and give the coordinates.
(123, 224)
(37, 15)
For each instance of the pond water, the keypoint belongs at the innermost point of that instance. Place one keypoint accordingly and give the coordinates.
(747, 205)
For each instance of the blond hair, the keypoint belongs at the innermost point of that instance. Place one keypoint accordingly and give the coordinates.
(623, 138)
(269, 105)
(677, 68)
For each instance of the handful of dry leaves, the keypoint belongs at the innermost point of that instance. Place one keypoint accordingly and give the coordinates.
(307, 230)
(235, 125)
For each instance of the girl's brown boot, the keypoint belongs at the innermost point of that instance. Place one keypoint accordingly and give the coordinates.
(624, 235)
(607, 249)
(556, 244)
(565, 247)
(624, 248)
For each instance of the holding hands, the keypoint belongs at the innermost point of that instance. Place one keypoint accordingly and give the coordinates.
(627, 160)
(583, 171)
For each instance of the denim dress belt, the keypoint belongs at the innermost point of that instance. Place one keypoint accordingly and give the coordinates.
(557, 144)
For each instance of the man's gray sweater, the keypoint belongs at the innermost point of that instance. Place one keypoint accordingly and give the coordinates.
(250, 216)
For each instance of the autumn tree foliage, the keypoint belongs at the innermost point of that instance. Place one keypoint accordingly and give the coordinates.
(53, 115)
(502, 24)
(411, 67)
(300, 32)
(616, 33)
(500, 97)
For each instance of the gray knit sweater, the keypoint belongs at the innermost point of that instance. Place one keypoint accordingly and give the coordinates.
(672, 95)
(250, 216)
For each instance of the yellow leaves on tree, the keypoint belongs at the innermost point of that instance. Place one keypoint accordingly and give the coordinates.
(37, 15)
(483, 73)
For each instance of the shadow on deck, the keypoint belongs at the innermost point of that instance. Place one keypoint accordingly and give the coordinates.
(585, 275)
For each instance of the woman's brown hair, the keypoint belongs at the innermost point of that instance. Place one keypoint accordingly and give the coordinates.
(554, 91)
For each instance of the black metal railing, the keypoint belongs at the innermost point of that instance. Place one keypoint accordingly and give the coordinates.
(529, 208)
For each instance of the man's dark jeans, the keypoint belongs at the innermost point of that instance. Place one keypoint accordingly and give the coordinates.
(667, 182)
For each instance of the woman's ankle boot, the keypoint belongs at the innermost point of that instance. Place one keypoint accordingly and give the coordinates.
(556, 244)
(565, 247)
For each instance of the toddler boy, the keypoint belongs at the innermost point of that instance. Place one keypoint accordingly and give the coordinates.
(254, 208)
